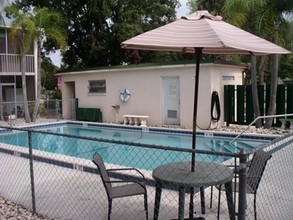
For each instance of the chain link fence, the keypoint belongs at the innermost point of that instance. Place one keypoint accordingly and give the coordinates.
(13, 112)
(52, 174)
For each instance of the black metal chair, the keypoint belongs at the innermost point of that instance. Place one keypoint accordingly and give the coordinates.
(129, 187)
(254, 175)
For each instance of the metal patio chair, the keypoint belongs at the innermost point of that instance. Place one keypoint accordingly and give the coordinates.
(254, 175)
(128, 187)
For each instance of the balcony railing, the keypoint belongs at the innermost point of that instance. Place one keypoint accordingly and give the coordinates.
(10, 63)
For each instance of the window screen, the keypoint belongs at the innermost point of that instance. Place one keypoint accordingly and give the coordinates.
(97, 86)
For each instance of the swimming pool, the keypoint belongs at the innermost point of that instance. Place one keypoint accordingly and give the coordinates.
(120, 154)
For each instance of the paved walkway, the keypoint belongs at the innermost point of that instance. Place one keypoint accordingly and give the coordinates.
(70, 194)
(21, 122)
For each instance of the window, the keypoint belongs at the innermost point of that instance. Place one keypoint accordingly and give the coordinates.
(2, 41)
(97, 86)
(228, 78)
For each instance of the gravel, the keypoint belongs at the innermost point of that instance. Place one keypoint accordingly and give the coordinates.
(253, 130)
(11, 211)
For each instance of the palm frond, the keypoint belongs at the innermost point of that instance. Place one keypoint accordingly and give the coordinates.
(235, 11)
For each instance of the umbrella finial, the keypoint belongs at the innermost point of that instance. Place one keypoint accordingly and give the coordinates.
(202, 14)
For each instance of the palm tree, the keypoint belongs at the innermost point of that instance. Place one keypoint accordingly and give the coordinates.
(263, 18)
(239, 13)
(48, 24)
(39, 24)
(255, 100)
(19, 33)
(276, 9)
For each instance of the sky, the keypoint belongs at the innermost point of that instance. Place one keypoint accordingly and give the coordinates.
(56, 59)
(183, 9)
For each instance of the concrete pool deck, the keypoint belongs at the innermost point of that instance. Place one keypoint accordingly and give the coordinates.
(71, 194)
(229, 129)
(21, 122)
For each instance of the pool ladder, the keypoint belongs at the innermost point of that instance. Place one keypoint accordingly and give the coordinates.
(259, 117)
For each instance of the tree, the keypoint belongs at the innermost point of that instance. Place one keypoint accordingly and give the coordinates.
(19, 34)
(39, 24)
(255, 100)
(213, 6)
(240, 13)
(96, 29)
(48, 74)
(286, 68)
(265, 19)
(276, 11)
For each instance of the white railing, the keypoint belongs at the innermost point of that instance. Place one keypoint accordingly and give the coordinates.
(10, 63)
(259, 117)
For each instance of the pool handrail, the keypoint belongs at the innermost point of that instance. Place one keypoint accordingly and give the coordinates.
(257, 118)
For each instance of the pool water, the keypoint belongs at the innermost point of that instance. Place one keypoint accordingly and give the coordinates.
(144, 158)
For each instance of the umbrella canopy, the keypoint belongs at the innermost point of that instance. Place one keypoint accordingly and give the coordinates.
(201, 33)
(202, 30)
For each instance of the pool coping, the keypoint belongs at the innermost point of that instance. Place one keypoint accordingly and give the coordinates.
(206, 133)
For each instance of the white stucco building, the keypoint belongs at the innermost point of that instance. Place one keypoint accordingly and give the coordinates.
(164, 93)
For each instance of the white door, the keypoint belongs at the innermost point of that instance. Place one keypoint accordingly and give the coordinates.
(171, 100)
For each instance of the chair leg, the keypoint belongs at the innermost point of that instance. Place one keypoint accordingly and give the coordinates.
(254, 206)
(211, 200)
(202, 201)
(146, 206)
(219, 203)
(109, 208)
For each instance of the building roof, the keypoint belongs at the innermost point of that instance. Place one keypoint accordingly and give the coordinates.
(147, 66)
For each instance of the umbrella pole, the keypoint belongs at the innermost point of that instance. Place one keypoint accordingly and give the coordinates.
(198, 54)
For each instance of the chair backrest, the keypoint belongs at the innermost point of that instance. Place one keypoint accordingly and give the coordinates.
(256, 168)
(97, 159)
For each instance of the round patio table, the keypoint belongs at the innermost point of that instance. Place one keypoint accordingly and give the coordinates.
(205, 174)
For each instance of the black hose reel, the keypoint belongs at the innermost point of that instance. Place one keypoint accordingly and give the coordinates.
(215, 107)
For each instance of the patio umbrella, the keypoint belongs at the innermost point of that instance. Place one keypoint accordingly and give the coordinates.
(202, 33)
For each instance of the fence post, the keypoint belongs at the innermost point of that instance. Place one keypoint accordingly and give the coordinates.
(229, 104)
(289, 97)
(10, 115)
(57, 109)
(32, 171)
(242, 185)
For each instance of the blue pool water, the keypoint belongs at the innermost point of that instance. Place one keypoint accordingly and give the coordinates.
(127, 155)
